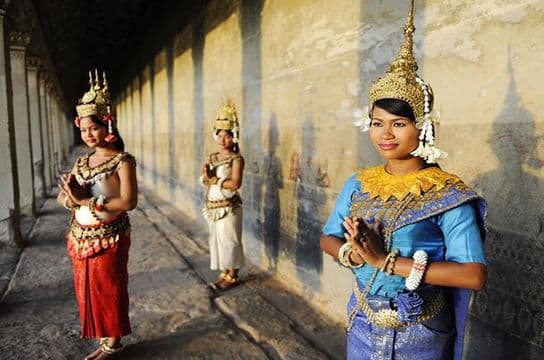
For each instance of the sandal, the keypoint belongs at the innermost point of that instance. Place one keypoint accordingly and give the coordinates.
(104, 349)
(215, 284)
(225, 283)
(112, 350)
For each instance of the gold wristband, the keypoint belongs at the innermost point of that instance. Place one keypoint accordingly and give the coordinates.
(67, 203)
(351, 263)
(391, 258)
(212, 181)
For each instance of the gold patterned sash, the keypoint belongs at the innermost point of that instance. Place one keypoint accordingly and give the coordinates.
(88, 240)
(231, 202)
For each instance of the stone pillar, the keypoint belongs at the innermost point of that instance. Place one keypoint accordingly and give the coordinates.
(50, 126)
(65, 141)
(9, 190)
(23, 140)
(32, 64)
(48, 180)
(56, 134)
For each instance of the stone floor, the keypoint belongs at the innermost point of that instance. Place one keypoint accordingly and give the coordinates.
(174, 314)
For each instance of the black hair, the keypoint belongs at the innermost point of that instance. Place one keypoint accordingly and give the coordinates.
(235, 147)
(396, 107)
(119, 144)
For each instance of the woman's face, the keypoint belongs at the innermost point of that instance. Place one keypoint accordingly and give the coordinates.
(393, 136)
(224, 139)
(92, 134)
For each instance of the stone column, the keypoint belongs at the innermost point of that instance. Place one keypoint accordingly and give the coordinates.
(9, 189)
(23, 140)
(48, 181)
(56, 134)
(65, 142)
(50, 126)
(32, 64)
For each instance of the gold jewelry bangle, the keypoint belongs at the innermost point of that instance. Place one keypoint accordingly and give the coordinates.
(342, 254)
(66, 205)
(388, 259)
(92, 207)
(352, 264)
(391, 268)
(213, 180)
(221, 181)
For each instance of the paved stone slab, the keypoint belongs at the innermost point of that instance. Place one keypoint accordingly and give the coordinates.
(266, 325)
(162, 301)
(171, 227)
(39, 317)
(150, 250)
(327, 335)
(42, 329)
(9, 255)
(202, 338)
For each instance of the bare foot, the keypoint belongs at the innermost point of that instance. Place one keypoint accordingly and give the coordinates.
(94, 355)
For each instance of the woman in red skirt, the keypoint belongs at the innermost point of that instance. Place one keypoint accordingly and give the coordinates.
(99, 191)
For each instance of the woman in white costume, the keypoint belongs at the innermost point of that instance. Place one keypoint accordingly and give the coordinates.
(222, 176)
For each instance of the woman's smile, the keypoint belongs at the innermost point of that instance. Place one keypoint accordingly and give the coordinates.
(387, 147)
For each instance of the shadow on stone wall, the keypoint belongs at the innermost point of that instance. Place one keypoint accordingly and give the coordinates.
(510, 306)
(251, 121)
(311, 200)
(198, 40)
(272, 182)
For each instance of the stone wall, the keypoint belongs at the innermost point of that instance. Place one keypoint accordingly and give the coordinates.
(297, 71)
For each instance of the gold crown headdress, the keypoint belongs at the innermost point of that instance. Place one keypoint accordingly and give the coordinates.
(227, 119)
(401, 82)
(96, 102)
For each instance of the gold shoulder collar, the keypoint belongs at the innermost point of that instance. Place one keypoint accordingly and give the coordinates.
(378, 183)
(227, 160)
(86, 173)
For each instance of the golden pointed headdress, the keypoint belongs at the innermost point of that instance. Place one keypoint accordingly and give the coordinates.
(401, 80)
(226, 118)
(96, 101)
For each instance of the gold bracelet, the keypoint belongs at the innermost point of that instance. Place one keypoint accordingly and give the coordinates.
(343, 256)
(351, 263)
(65, 203)
(391, 268)
(393, 254)
(92, 207)
(212, 181)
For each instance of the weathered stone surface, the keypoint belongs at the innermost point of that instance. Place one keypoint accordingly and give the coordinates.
(324, 333)
(150, 250)
(175, 298)
(39, 312)
(268, 326)
(9, 254)
(202, 338)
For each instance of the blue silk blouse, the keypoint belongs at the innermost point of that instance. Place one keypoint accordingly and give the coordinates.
(453, 235)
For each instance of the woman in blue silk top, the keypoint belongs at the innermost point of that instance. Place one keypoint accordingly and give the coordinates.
(411, 232)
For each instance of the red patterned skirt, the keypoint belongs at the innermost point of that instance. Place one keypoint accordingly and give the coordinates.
(101, 287)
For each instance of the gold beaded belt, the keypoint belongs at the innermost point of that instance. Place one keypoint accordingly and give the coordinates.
(232, 202)
(88, 240)
(389, 318)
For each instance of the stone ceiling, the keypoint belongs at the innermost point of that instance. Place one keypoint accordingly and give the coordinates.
(75, 36)
(82, 35)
